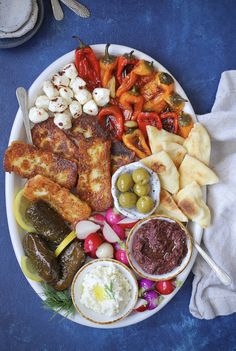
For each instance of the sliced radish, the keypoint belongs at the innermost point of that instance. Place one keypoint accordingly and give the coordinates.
(119, 231)
(141, 305)
(98, 218)
(112, 216)
(84, 228)
(127, 222)
(109, 234)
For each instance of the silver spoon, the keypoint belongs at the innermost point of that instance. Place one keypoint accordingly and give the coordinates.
(77, 8)
(221, 274)
(57, 10)
(22, 98)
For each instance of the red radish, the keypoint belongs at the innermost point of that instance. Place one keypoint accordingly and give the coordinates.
(112, 216)
(121, 256)
(141, 305)
(127, 223)
(98, 218)
(165, 287)
(119, 231)
(92, 242)
(84, 228)
(109, 234)
(120, 245)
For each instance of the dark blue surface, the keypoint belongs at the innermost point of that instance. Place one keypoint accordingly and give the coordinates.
(196, 41)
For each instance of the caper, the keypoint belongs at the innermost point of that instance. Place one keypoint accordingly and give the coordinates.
(141, 176)
(125, 182)
(141, 189)
(127, 199)
(145, 204)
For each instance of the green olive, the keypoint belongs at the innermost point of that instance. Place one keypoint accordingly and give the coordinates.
(128, 199)
(141, 189)
(125, 182)
(141, 176)
(145, 204)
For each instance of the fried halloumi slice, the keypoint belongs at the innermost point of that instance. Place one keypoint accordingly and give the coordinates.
(27, 161)
(68, 205)
(94, 183)
(47, 136)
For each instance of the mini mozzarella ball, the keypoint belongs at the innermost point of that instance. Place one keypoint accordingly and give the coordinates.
(50, 90)
(83, 96)
(58, 104)
(37, 115)
(75, 109)
(63, 120)
(66, 93)
(77, 84)
(90, 108)
(60, 80)
(42, 102)
(70, 71)
(105, 250)
(101, 96)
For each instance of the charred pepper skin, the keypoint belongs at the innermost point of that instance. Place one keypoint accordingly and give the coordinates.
(42, 258)
(108, 64)
(71, 259)
(47, 222)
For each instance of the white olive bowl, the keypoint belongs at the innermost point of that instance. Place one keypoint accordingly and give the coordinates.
(89, 314)
(154, 192)
(135, 265)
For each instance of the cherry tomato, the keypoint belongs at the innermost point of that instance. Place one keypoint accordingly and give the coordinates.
(91, 243)
(165, 287)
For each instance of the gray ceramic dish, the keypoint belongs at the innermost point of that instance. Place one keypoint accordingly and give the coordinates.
(8, 43)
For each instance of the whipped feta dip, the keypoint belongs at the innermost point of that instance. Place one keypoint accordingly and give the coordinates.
(105, 290)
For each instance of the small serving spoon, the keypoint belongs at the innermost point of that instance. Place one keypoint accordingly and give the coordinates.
(221, 274)
(22, 97)
(77, 8)
(57, 10)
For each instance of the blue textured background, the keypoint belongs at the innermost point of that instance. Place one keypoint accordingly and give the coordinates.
(196, 41)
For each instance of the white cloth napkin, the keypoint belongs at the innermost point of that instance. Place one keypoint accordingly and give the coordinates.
(209, 297)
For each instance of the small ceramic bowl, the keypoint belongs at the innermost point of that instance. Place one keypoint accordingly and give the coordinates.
(154, 193)
(156, 277)
(90, 315)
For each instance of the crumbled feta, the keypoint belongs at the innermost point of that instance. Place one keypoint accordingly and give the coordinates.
(77, 84)
(90, 108)
(60, 80)
(37, 115)
(58, 104)
(42, 101)
(83, 96)
(75, 109)
(67, 94)
(63, 120)
(70, 71)
(50, 90)
(101, 96)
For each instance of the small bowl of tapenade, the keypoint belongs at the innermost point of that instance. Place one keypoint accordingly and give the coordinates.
(159, 247)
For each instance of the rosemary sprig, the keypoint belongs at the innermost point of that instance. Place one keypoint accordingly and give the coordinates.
(58, 301)
(109, 291)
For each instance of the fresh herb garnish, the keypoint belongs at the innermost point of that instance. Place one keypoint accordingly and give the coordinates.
(109, 291)
(58, 301)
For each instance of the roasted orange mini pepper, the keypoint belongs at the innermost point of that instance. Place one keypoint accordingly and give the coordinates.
(132, 104)
(108, 64)
(185, 123)
(127, 83)
(136, 142)
(125, 65)
(143, 68)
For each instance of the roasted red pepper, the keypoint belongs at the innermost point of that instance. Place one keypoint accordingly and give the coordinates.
(108, 64)
(125, 65)
(111, 119)
(169, 121)
(87, 65)
(127, 83)
(148, 119)
(132, 104)
(136, 142)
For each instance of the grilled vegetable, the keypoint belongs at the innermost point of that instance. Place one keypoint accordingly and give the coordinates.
(125, 64)
(71, 259)
(136, 142)
(132, 104)
(185, 123)
(111, 119)
(108, 64)
(47, 222)
(41, 257)
(169, 121)
(127, 84)
(148, 119)
(143, 68)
